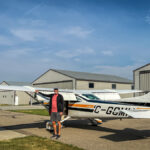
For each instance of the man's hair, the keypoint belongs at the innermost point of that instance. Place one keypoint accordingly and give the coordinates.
(55, 89)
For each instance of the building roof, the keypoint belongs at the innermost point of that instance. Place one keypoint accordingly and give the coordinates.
(93, 76)
(142, 67)
(17, 83)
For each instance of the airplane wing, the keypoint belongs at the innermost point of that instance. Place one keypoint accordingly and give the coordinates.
(128, 91)
(16, 88)
(117, 91)
(32, 89)
(67, 94)
(108, 91)
(137, 113)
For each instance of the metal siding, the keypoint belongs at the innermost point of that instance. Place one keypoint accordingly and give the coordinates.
(137, 77)
(51, 76)
(61, 85)
(7, 97)
(144, 81)
(84, 85)
(126, 95)
(124, 86)
(23, 97)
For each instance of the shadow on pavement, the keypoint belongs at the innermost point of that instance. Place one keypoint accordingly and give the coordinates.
(25, 126)
(116, 135)
(126, 134)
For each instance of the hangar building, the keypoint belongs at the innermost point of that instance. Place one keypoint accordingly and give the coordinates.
(65, 79)
(12, 97)
(141, 78)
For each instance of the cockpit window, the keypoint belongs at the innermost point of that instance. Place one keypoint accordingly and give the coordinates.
(91, 96)
(78, 98)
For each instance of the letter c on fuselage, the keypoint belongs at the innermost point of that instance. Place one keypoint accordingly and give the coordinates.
(97, 109)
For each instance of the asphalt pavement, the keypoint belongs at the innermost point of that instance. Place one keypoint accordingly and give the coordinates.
(128, 134)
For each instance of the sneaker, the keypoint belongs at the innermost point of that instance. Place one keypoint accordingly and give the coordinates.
(53, 136)
(57, 136)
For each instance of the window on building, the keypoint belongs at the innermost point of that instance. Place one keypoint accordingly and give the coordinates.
(113, 86)
(132, 87)
(91, 85)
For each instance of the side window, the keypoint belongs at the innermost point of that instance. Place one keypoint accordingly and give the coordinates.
(113, 86)
(91, 85)
(78, 98)
(132, 87)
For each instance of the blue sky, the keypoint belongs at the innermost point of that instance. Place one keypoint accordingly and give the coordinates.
(102, 36)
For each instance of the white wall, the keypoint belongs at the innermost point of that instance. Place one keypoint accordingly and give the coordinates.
(84, 85)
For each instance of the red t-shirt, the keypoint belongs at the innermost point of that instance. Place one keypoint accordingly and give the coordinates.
(54, 103)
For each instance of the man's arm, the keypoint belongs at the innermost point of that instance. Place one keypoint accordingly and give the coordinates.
(46, 95)
(62, 108)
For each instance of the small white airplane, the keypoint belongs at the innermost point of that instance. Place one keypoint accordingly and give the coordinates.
(78, 105)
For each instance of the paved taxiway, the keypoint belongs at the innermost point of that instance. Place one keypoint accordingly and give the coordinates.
(127, 134)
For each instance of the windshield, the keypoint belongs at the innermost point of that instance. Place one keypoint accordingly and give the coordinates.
(91, 96)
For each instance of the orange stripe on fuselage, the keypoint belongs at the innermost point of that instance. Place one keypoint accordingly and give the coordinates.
(76, 105)
(45, 103)
(142, 108)
(81, 105)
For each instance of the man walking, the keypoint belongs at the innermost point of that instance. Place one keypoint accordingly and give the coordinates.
(56, 107)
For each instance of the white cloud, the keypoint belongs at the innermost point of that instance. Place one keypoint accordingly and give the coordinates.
(74, 53)
(44, 35)
(27, 34)
(107, 53)
(78, 31)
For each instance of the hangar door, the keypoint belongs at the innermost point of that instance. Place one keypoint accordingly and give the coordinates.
(145, 80)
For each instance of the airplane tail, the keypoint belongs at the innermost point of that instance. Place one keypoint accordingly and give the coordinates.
(139, 114)
(139, 99)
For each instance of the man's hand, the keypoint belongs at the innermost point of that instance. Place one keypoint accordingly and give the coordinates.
(36, 91)
(61, 113)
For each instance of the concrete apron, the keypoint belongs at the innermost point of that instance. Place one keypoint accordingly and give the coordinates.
(8, 134)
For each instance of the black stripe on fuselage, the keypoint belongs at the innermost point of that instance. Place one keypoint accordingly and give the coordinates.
(81, 109)
(104, 102)
(118, 103)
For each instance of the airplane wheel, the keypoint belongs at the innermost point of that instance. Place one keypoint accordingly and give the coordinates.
(49, 126)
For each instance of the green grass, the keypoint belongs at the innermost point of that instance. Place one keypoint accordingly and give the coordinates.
(42, 112)
(5, 105)
(34, 143)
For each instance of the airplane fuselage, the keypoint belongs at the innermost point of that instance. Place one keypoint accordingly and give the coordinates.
(100, 109)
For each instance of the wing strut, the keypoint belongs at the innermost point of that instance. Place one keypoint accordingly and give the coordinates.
(34, 97)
